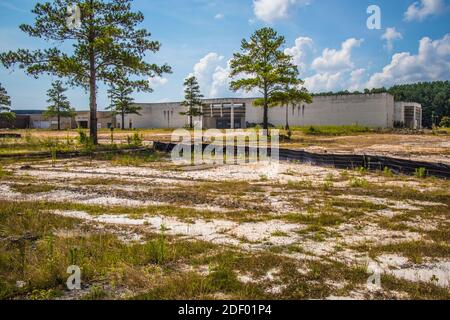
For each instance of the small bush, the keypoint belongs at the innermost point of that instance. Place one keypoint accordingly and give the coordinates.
(135, 140)
(445, 122)
(421, 173)
(359, 183)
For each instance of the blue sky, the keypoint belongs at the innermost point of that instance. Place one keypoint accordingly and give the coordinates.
(328, 39)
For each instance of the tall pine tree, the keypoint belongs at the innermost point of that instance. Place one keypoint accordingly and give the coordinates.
(59, 104)
(263, 66)
(121, 101)
(105, 41)
(192, 99)
(5, 106)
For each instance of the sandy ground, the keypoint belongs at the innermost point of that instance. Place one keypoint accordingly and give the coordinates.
(249, 236)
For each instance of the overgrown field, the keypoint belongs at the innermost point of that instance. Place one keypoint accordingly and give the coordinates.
(140, 227)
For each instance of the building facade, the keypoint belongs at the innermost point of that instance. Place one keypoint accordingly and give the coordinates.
(369, 110)
(36, 119)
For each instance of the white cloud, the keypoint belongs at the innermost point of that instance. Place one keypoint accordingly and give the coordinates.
(390, 36)
(431, 63)
(321, 82)
(219, 16)
(333, 61)
(420, 10)
(356, 80)
(334, 69)
(299, 51)
(212, 75)
(157, 82)
(272, 10)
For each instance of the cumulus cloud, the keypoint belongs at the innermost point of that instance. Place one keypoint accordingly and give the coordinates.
(212, 74)
(334, 69)
(422, 9)
(157, 82)
(390, 36)
(219, 16)
(324, 81)
(299, 51)
(431, 63)
(334, 61)
(272, 10)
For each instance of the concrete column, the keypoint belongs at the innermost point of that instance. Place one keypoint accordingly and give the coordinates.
(232, 116)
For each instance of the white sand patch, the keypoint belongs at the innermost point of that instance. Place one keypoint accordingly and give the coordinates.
(264, 232)
(372, 233)
(399, 205)
(216, 231)
(244, 172)
(437, 273)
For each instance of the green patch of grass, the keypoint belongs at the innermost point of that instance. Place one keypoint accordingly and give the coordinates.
(31, 251)
(324, 219)
(358, 183)
(32, 188)
(279, 234)
(414, 250)
(332, 130)
(415, 290)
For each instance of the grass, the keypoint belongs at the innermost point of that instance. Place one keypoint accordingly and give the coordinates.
(332, 130)
(32, 188)
(414, 250)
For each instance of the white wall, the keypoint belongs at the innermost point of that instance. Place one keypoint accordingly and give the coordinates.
(371, 110)
(159, 115)
(376, 111)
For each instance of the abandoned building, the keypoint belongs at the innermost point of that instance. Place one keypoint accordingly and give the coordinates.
(36, 119)
(369, 110)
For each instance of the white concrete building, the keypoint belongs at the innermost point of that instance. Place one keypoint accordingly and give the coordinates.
(370, 110)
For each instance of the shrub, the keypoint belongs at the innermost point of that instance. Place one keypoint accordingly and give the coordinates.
(445, 122)
(135, 140)
(421, 173)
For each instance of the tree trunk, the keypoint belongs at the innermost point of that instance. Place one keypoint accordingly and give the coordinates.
(287, 117)
(123, 120)
(92, 83)
(191, 122)
(266, 111)
(59, 121)
(93, 104)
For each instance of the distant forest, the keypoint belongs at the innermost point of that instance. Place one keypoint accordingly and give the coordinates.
(434, 97)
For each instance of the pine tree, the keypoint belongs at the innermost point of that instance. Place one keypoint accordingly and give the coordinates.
(105, 41)
(290, 96)
(5, 106)
(59, 104)
(121, 102)
(192, 99)
(263, 65)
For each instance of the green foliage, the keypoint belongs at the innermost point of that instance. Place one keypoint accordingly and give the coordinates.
(107, 43)
(445, 122)
(60, 105)
(434, 97)
(192, 96)
(5, 106)
(421, 173)
(135, 140)
(121, 101)
(359, 183)
(331, 130)
(82, 137)
(388, 172)
(263, 65)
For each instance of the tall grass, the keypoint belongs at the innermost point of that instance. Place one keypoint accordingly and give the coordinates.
(332, 130)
